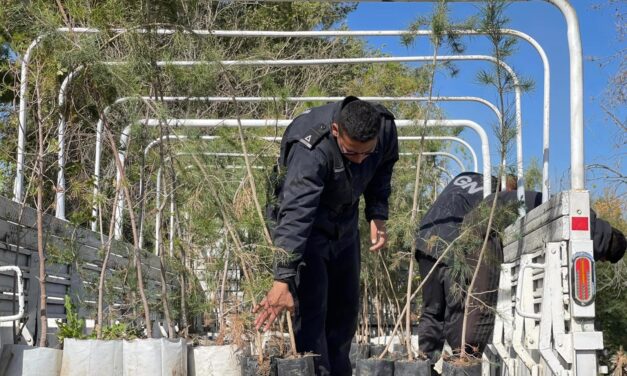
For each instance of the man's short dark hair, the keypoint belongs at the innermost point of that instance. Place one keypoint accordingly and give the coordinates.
(360, 120)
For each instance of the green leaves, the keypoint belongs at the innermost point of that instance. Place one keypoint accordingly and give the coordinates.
(73, 327)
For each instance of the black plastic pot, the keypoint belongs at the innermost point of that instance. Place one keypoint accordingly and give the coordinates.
(358, 351)
(376, 350)
(250, 367)
(398, 351)
(412, 368)
(307, 365)
(450, 369)
(375, 367)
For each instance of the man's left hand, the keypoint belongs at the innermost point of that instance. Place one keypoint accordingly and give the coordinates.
(378, 234)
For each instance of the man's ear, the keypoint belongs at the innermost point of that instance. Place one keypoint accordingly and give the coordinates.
(335, 129)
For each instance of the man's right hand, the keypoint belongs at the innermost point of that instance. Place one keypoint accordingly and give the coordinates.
(278, 299)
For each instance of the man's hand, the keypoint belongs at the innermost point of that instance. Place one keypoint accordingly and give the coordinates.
(378, 234)
(278, 299)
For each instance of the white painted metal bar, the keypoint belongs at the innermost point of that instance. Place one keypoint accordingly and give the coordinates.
(60, 207)
(176, 137)
(209, 123)
(159, 185)
(576, 83)
(19, 294)
(519, 162)
(442, 154)
(276, 139)
(107, 110)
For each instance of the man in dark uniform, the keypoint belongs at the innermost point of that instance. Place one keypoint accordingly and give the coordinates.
(459, 206)
(439, 227)
(330, 156)
(608, 244)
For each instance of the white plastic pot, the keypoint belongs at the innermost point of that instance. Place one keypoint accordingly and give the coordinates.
(154, 357)
(213, 361)
(91, 357)
(33, 361)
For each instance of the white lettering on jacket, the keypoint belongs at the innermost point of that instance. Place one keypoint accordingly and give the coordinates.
(466, 183)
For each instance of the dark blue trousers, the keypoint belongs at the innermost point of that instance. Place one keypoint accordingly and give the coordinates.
(327, 298)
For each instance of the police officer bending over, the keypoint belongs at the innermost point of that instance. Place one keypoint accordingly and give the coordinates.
(458, 206)
(330, 155)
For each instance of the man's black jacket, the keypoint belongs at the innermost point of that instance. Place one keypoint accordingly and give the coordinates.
(442, 222)
(319, 190)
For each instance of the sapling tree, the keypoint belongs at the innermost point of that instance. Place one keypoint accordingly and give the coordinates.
(492, 22)
(442, 31)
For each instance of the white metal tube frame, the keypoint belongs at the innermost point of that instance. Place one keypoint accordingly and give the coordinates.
(209, 123)
(577, 170)
(176, 137)
(242, 33)
(60, 212)
(60, 207)
(576, 85)
(473, 155)
(159, 184)
(99, 126)
(519, 157)
(20, 293)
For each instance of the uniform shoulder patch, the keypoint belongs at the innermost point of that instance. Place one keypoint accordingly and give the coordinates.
(314, 135)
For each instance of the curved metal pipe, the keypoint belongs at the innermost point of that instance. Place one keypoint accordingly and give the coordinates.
(107, 110)
(208, 123)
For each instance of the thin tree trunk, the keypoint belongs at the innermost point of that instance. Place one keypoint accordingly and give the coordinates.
(410, 272)
(377, 308)
(164, 296)
(418, 289)
(137, 250)
(43, 341)
(474, 277)
(249, 171)
(503, 152)
(222, 288)
(237, 242)
(291, 332)
(105, 262)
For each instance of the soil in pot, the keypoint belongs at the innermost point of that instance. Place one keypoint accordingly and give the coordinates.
(250, 366)
(375, 367)
(376, 350)
(305, 365)
(457, 368)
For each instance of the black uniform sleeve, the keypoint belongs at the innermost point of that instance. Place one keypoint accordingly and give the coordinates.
(378, 190)
(303, 185)
(608, 243)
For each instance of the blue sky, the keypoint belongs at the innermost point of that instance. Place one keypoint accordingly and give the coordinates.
(546, 24)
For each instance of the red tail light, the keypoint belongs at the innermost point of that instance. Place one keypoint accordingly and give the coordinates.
(584, 287)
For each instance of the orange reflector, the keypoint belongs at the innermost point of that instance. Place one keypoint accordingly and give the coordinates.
(583, 279)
